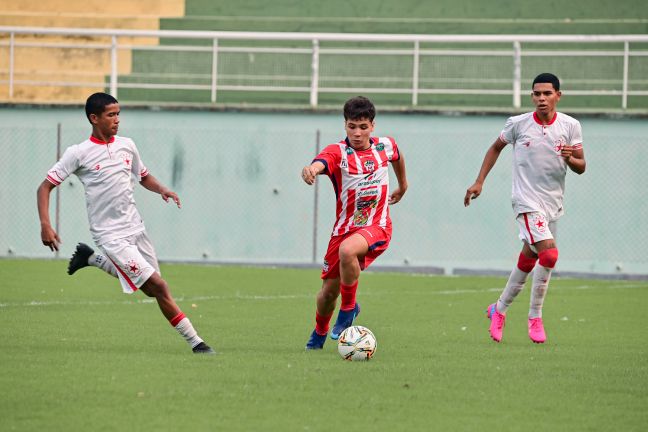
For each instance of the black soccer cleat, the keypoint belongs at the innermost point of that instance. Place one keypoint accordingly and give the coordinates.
(80, 258)
(203, 348)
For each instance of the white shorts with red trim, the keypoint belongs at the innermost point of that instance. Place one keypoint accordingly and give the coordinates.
(534, 227)
(134, 258)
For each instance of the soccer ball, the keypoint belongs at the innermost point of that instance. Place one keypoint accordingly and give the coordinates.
(357, 343)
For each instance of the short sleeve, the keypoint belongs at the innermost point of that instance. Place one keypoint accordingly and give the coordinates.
(576, 136)
(393, 154)
(330, 157)
(65, 166)
(138, 168)
(508, 133)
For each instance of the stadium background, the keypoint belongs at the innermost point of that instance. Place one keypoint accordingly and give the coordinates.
(237, 171)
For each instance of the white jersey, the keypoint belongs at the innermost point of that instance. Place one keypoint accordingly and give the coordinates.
(107, 172)
(538, 169)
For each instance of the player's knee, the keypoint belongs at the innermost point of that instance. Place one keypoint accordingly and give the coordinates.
(525, 263)
(346, 253)
(548, 257)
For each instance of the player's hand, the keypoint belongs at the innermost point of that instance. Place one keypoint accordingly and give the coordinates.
(309, 174)
(472, 193)
(566, 152)
(396, 195)
(50, 238)
(166, 194)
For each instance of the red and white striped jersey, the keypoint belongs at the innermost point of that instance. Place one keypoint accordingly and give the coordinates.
(538, 168)
(361, 182)
(107, 171)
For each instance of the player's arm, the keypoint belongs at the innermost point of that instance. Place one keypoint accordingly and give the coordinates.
(151, 183)
(49, 237)
(489, 161)
(575, 158)
(309, 172)
(401, 177)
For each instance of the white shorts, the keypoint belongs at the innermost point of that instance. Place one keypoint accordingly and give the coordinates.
(534, 228)
(134, 258)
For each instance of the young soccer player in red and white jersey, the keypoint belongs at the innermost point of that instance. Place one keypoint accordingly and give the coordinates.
(358, 167)
(106, 165)
(545, 143)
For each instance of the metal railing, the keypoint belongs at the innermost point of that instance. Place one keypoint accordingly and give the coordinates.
(417, 55)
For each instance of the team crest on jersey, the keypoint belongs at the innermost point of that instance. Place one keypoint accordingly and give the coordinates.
(126, 157)
(133, 267)
(369, 165)
(540, 223)
(559, 144)
(380, 146)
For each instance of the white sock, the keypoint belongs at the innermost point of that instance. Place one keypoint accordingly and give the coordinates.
(103, 263)
(541, 277)
(513, 287)
(188, 332)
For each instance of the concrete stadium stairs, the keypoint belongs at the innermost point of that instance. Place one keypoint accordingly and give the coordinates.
(60, 65)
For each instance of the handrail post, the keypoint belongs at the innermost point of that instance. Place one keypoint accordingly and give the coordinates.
(113, 67)
(214, 74)
(415, 73)
(11, 64)
(626, 55)
(314, 74)
(517, 74)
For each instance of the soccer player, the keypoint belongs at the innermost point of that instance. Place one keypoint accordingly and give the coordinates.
(358, 167)
(106, 165)
(545, 143)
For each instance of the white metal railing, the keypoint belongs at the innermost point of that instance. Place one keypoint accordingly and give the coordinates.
(316, 51)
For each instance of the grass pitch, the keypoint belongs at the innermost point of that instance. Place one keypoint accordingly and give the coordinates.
(76, 354)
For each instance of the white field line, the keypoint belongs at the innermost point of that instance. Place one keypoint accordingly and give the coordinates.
(253, 297)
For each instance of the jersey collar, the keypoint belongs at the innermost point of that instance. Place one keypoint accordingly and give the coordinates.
(537, 119)
(371, 143)
(98, 141)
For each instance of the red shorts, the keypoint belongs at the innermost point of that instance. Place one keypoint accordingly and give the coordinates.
(377, 238)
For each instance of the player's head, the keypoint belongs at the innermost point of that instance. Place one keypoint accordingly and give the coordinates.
(97, 103)
(359, 113)
(545, 94)
(547, 78)
(359, 107)
(102, 111)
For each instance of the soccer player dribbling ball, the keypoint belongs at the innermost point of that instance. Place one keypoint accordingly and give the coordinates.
(358, 167)
(545, 143)
(106, 164)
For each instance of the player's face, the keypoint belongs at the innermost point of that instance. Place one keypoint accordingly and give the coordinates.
(359, 132)
(545, 98)
(108, 122)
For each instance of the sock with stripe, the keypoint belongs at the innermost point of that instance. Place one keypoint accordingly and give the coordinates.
(186, 329)
(515, 282)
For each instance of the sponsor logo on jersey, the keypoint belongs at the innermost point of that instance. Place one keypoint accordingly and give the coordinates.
(344, 164)
(325, 267)
(380, 146)
(349, 150)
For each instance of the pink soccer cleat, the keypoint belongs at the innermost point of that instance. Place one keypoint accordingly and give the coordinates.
(536, 330)
(497, 322)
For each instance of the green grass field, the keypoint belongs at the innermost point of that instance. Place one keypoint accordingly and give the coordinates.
(76, 354)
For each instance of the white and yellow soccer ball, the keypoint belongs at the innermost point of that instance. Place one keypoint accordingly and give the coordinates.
(357, 343)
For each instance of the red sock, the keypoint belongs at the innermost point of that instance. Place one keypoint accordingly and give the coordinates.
(348, 293)
(322, 323)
